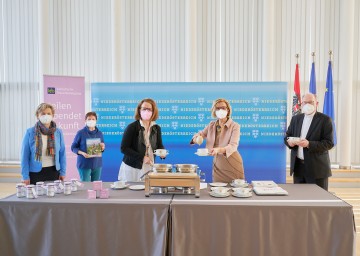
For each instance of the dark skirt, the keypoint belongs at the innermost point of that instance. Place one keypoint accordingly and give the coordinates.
(46, 174)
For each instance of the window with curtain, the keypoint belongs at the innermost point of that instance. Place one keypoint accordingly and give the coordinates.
(19, 80)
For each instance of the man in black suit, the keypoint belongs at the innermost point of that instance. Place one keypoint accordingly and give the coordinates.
(313, 132)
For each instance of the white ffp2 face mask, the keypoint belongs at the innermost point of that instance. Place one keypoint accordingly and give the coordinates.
(45, 119)
(308, 109)
(90, 123)
(221, 113)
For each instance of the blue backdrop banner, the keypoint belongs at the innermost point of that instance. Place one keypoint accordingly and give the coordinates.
(184, 109)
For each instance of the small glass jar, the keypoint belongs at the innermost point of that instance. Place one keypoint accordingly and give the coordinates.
(20, 190)
(30, 192)
(67, 188)
(74, 185)
(50, 192)
(58, 186)
(98, 192)
(40, 191)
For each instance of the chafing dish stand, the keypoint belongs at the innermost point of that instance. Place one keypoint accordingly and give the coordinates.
(170, 179)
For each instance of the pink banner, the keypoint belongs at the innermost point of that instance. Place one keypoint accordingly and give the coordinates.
(67, 95)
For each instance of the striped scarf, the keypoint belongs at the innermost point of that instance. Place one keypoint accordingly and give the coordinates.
(39, 130)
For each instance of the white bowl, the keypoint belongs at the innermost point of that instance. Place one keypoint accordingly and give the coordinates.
(161, 152)
(242, 190)
(220, 190)
(238, 182)
(294, 139)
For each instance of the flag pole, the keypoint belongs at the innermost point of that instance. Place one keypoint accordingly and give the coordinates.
(330, 55)
(297, 58)
(313, 56)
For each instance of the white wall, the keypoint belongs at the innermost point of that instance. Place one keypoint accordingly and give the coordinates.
(164, 40)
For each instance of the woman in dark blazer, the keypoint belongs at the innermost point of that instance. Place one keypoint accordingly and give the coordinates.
(139, 141)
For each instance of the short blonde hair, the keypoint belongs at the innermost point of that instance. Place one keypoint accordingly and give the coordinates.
(213, 108)
(44, 106)
(155, 110)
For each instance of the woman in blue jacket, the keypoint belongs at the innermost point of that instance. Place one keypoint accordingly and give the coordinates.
(43, 149)
(89, 144)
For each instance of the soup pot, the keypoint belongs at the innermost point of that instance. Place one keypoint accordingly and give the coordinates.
(186, 168)
(162, 167)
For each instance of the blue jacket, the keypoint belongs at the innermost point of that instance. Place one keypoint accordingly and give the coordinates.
(28, 162)
(79, 143)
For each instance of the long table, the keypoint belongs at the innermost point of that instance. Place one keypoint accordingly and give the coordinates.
(309, 221)
(125, 224)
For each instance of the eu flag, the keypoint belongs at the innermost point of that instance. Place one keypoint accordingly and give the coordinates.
(329, 99)
(312, 86)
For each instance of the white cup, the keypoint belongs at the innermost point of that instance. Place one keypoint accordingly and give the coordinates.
(119, 184)
(238, 182)
(160, 152)
(242, 191)
(198, 140)
(203, 151)
(220, 190)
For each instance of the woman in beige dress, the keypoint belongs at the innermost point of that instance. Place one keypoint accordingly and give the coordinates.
(222, 140)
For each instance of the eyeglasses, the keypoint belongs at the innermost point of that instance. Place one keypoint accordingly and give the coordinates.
(146, 109)
(307, 102)
(218, 108)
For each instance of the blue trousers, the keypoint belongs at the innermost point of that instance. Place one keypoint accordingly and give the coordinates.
(90, 174)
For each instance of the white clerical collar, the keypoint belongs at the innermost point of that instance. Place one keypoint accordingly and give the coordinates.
(310, 116)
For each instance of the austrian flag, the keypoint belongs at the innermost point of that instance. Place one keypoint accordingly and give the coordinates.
(296, 98)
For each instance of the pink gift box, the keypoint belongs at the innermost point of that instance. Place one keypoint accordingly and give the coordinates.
(91, 194)
(104, 193)
(97, 185)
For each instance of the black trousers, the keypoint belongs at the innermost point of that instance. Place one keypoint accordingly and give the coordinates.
(300, 176)
(46, 174)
